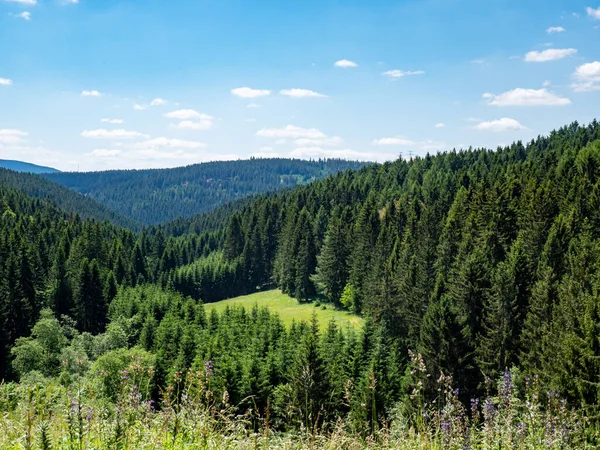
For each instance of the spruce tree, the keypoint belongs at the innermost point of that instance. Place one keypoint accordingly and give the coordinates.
(332, 273)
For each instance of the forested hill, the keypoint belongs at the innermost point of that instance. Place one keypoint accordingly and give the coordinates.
(478, 260)
(160, 195)
(71, 201)
(481, 260)
(20, 166)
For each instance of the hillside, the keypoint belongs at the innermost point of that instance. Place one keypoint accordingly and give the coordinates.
(476, 273)
(160, 195)
(20, 166)
(66, 199)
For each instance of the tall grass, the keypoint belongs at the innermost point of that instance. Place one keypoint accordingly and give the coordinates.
(41, 414)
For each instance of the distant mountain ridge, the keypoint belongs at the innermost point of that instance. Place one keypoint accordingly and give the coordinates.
(157, 196)
(21, 166)
(34, 185)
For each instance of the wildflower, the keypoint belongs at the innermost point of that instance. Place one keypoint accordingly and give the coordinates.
(209, 368)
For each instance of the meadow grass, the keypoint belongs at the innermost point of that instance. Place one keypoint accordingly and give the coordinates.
(289, 309)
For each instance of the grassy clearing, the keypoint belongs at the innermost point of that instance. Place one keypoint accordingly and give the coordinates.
(289, 309)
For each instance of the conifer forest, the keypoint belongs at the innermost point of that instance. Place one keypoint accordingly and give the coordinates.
(476, 274)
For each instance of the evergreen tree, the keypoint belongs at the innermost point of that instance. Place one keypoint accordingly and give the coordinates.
(332, 272)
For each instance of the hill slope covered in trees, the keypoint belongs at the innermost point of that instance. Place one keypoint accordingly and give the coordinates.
(20, 166)
(159, 195)
(36, 186)
(477, 273)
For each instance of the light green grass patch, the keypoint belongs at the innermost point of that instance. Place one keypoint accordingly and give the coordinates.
(289, 309)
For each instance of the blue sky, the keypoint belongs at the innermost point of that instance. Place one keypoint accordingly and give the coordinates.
(104, 84)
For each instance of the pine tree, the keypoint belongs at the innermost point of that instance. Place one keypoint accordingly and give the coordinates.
(332, 272)
(234, 239)
(305, 258)
(90, 305)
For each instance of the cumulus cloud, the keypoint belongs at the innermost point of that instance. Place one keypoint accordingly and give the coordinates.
(587, 77)
(5, 82)
(552, 54)
(293, 132)
(186, 114)
(593, 13)
(398, 140)
(104, 153)
(158, 102)
(526, 97)
(112, 121)
(504, 124)
(333, 141)
(93, 93)
(301, 93)
(26, 15)
(345, 64)
(163, 142)
(11, 136)
(440, 125)
(246, 92)
(139, 107)
(555, 30)
(396, 74)
(202, 124)
(112, 134)
(24, 2)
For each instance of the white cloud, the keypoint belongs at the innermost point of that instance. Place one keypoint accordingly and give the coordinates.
(253, 105)
(24, 2)
(594, 13)
(11, 136)
(546, 83)
(555, 30)
(552, 54)
(504, 124)
(395, 74)
(202, 124)
(301, 93)
(526, 97)
(345, 64)
(103, 153)
(398, 140)
(139, 107)
(318, 152)
(112, 134)
(5, 82)
(440, 125)
(93, 93)
(478, 61)
(163, 142)
(333, 141)
(112, 121)
(587, 77)
(186, 114)
(292, 132)
(24, 15)
(158, 102)
(246, 92)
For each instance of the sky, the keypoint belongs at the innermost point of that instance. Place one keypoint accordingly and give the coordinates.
(132, 84)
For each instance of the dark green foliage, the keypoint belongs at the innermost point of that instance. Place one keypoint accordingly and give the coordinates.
(480, 260)
(159, 195)
(66, 199)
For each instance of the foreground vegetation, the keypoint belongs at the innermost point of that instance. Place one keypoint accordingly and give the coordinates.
(290, 310)
(44, 415)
